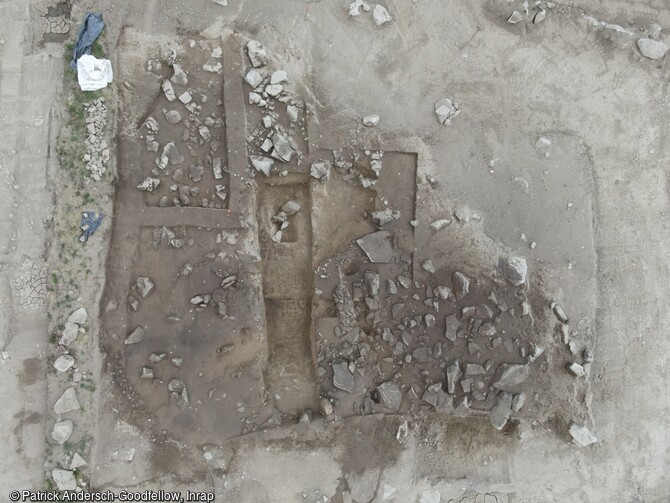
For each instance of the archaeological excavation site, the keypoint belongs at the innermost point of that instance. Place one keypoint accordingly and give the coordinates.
(324, 251)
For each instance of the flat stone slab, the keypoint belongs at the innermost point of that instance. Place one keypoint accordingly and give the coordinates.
(67, 402)
(377, 246)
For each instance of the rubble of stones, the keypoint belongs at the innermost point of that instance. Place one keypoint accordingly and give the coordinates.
(67, 406)
(97, 151)
(188, 168)
(274, 141)
(359, 168)
(389, 339)
(380, 15)
(281, 219)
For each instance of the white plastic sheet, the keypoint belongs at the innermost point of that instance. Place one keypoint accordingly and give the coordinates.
(93, 73)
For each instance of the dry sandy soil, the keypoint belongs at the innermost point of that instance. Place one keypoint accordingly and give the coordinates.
(269, 363)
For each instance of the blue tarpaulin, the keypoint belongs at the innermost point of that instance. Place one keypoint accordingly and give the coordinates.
(88, 33)
(90, 221)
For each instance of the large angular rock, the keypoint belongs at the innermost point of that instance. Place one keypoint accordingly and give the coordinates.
(514, 269)
(320, 170)
(172, 153)
(377, 246)
(581, 435)
(253, 78)
(136, 336)
(262, 164)
(168, 90)
(77, 462)
(453, 375)
(64, 479)
(652, 49)
(64, 363)
(179, 76)
(461, 284)
(342, 378)
(62, 431)
(390, 395)
(79, 316)
(282, 147)
(67, 402)
(501, 411)
(451, 328)
(380, 15)
(257, 53)
(70, 333)
(511, 376)
(144, 285)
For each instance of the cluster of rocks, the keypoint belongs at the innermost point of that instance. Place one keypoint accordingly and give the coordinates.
(65, 477)
(281, 219)
(388, 332)
(446, 111)
(200, 141)
(275, 137)
(355, 167)
(176, 388)
(582, 367)
(380, 15)
(535, 14)
(97, 150)
(651, 46)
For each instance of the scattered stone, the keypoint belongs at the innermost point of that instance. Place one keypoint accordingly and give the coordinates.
(440, 224)
(274, 90)
(453, 375)
(147, 373)
(185, 98)
(430, 497)
(62, 431)
(342, 378)
(290, 208)
(79, 316)
(514, 269)
(136, 336)
(292, 112)
(262, 163)
(326, 407)
(179, 76)
(446, 111)
(461, 284)
(514, 17)
(377, 246)
(428, 266)
(64, 363)
(67, 402)
(442, 292)
(173, 116)
(77, 461)
(253, 78)
(581, 435)
(512, 375)
(518, 402)
(576, 369)
(587, 355)
(144, 286)
(652, 49)
(283, 150)
(559, 313)
(112, 306)
(257, 53)
(320, 170)
(540, 16)
(168, 90)
(390, 395)
(70, 333)
(451, 329)
(380, 15)
(172, 153)
(402, 432)
(278, 77)
(371, 120)
(382, 217)
(501, 411)
(64, 479)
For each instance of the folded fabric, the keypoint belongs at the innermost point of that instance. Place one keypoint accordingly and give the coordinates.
(93, 73)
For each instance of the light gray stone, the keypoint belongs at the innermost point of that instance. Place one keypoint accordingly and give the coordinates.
(514, 269)
(67, 402)
(77, 462)
(451, 328)
(262, 164)
(173, 116)
(172, 153)
(390, 395)
(377, 246)
(278, 77)
(512, 375)
(581, 435)
(79, 316)
(136, 336)
(501, 411)
(320, 170)
(453, 375)
(652, 49)
(514, 17)
(380, 15)
(70, 333)
(253, 78)
(371, 120)
(461, 284)
(168, 90)
(257, 53)
(342, 378)
(62, 431)
(64, 479)
(144, 286)
(64, 363)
